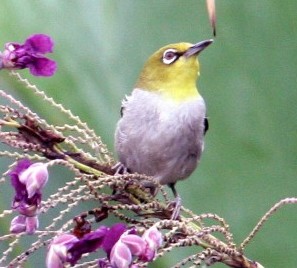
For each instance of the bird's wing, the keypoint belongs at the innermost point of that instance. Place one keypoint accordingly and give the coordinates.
(122, 110)
(124, 101)
(206, 125)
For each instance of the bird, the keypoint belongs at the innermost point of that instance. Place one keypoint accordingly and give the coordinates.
(163, 122)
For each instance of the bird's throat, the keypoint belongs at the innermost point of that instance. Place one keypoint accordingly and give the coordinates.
(181, 94)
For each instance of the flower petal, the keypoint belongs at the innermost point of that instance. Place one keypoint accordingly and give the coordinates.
(34, 177)
(40, 43)
(135, 243)
(148, 255)
(120, 255)
(57, 253)
(42, 66)
(32, 224)
(89, 243)
(153, 237)
(18, 224)
(14, 174)
(113, 236)
(53, 260)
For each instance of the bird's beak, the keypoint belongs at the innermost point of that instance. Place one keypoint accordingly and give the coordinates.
(197, 48)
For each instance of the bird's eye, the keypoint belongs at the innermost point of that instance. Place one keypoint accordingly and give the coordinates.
(169, 56)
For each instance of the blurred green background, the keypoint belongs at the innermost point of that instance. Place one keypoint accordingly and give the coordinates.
(248, 80)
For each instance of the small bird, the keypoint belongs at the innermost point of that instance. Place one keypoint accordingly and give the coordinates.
(161, 131)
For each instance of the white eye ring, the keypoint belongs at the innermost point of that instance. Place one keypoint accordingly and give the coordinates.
(169, 56)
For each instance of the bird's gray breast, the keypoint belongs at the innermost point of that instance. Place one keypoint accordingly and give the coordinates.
(160, 137)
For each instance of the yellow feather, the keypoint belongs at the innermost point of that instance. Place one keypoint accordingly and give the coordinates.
(176, 81)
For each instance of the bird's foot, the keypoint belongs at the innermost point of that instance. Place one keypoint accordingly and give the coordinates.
(176, 206)
(119, 168)
(176, 203)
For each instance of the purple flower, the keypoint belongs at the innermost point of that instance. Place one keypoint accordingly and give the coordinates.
(112, 236)
(20, 188)
(63, 250)
(57, 253)
(120, 244)
(34, 177)
(28, 181)
(30, 55)
(89, 243)
(103, 237)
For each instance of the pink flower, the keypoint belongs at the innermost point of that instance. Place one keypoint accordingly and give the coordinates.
(28, 180)
(57, 253)
(30, 55)
(18, 224)
(22, 223)
(122, 253)
(121, 245)
(132, 245)
(153, 239)
(64, 249)
(34, 177)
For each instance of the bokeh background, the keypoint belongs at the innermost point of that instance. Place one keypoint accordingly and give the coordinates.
(248, 79)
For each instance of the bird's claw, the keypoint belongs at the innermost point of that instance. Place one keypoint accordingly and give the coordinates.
(119, 168)
(176, 204)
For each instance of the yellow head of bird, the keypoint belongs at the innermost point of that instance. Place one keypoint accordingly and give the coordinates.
(173, 70)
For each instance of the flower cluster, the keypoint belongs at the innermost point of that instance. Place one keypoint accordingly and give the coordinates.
(28, 180)
(129, 245)
(30, 55)
(119, 243)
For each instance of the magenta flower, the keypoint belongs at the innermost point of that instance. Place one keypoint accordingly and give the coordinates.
(28, 181)
(121, 245)
(112, 236)
(89, 243)
(30, 55)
